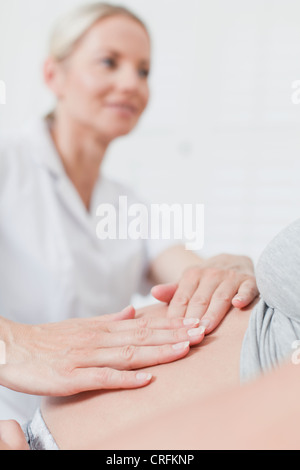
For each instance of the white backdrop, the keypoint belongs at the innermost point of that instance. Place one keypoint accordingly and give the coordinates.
(221, 128)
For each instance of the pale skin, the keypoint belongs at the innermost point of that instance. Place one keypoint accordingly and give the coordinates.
(210, 367)
(196, 403)
(92, 353)
(102, 91)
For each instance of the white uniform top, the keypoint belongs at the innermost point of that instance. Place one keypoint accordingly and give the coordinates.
(53, 266)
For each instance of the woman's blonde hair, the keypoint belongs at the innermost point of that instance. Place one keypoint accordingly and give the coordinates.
(71, 27)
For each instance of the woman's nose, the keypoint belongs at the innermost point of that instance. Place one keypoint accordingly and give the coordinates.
(128, 79)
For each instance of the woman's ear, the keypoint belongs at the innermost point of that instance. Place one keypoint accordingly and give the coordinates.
(54, 76)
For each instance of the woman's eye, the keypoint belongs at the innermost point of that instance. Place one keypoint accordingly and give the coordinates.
(111, 63)
(144, 73)
(108, 61)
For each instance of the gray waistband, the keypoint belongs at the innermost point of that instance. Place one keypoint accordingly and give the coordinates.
(38, 435)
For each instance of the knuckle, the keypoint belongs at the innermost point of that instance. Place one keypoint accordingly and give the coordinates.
(213, 272)
(181, 299)
(142, 334)
(142, 323)
(103, 375)
(87, 335)
(162, 352)
(252, 291)
(176, 335)
(127, 352)
(232, 273)
(235, 276)
(123, 377)
(192, 272)
(199, 299)
(223, 297)
(66, 368)
(75, 358)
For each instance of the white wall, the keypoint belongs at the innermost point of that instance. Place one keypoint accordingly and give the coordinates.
(221, 128)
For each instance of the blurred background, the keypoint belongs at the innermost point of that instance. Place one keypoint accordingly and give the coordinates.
(222, 127)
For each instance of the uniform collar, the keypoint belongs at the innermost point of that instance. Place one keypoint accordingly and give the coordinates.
(44, 153)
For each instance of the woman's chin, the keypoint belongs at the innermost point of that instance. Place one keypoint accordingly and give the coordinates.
(113, 132)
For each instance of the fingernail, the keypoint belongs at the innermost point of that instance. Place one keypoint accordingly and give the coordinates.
(238, 298)
(143, 377)
(191, 321)
(205, 322)
(197, 331)
(181, 346)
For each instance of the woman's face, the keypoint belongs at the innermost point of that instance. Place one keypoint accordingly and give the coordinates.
(104, 82)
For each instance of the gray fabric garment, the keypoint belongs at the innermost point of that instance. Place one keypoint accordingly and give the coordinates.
(274, 325)
(38, 435)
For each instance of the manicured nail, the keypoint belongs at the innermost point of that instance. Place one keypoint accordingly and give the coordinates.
(206, 323)
(181, 346)
(196, 331)
(238, 298)
(191, 321)
(143, 377)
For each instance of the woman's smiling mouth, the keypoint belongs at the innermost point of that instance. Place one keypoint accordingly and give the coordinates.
(123, 108)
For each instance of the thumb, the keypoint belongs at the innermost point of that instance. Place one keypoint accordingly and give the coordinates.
(164, 292)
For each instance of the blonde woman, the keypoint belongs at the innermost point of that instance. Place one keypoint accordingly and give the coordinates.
(54, 269)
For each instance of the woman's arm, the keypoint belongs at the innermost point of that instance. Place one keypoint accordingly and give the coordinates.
(89, 420)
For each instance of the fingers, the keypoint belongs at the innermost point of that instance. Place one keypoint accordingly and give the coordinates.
(95, 378)
(150, 322)
(151, 336)
(202, 297)
(209, 294)
(194, 292)
(131, 357)
(223, 299)
(247, 292)
(164, 292)
(118, 363)
(219, 305)
(186, 289)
